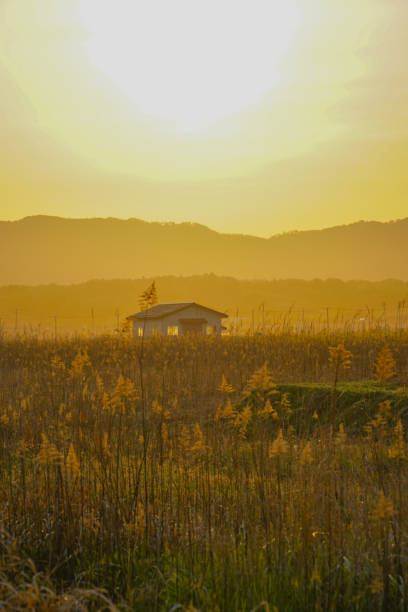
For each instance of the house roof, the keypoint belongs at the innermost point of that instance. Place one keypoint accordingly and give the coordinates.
(162, 310)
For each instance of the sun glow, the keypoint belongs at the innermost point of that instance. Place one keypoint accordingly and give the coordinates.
(190, 62)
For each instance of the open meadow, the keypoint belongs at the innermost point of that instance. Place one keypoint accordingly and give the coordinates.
(260, 472)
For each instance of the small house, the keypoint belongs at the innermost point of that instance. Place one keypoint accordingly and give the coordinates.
(177, 320)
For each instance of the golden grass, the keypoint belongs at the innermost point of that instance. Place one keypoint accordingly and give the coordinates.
(181, 477)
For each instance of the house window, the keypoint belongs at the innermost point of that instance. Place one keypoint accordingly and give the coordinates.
(172, 330)
(211, 330)
(140, 331)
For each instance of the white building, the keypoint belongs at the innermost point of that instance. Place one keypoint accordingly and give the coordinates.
(177, 320)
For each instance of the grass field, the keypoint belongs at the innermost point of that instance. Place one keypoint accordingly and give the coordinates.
(230, 474)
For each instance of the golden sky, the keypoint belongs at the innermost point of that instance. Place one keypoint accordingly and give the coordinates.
(251, 116)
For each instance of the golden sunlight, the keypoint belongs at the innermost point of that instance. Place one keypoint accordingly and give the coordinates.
(190, 62)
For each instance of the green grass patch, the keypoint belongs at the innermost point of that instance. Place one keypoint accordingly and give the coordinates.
(356, 403)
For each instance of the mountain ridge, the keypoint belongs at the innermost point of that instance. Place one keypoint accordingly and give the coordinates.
(194, 224)
(49, 249)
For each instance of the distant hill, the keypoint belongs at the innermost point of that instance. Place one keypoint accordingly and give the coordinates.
(43, 249)
(101, 303)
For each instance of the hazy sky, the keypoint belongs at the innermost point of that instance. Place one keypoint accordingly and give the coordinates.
(252, 116)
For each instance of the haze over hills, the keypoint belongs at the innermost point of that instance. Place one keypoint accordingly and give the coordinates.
(42, 249)
(101, 302)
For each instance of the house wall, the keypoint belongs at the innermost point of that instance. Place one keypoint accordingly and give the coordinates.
(194, 312)
(148, 326)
